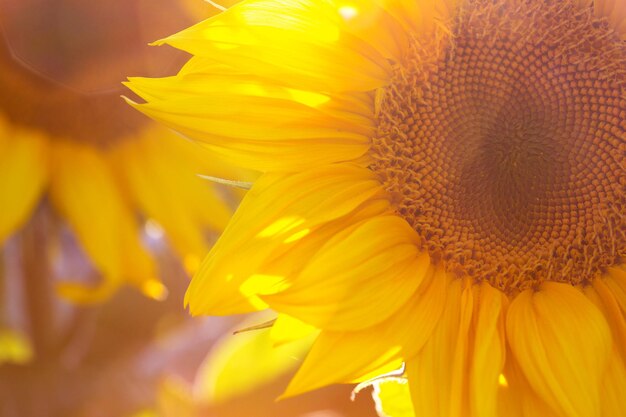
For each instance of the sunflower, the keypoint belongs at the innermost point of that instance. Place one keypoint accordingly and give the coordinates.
(70, 146)
(443, 186)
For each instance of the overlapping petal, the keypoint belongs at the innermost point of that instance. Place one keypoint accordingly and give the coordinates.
(348, 356)
(280, 215)
(259, 35)
(465, 356)
(360, 277)
(562, 343)
(615, 279)
(263, 129)
(487, 350)
(438, 373)
(602, 296)
(613, 389)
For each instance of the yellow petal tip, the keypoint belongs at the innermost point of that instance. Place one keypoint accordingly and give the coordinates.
(82, 294)
(155, 290)
(14, 347)
(158, 42)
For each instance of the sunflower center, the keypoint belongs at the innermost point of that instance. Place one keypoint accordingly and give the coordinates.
(62, 63)
(506, 149)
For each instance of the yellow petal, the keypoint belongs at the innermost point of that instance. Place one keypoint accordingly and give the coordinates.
(82, 294)
(174, 399)
(14, 347)
(277, 215)
(533, 406)
(246, 361)
(393, 398)
(600, 294)
(438, 373)
(613, 389)
(137, 265)
(615, 279)
(84, 192)
(201, 76)
(297, 43)
(359, 278)
(509, 399)
(161, 173)
(372, 23)
(339, 357)
(516, 398)
(263, 132)
(423, 17)
(287, 329)
(421, 314)
(488, 353)
(24, 173)
(562, 343)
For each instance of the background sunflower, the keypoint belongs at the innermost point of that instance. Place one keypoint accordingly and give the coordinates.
(70, 148)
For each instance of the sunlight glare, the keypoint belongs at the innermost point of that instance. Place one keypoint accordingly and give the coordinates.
(348, 12)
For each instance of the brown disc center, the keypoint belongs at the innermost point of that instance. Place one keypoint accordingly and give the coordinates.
(62, 62)
(509, 160)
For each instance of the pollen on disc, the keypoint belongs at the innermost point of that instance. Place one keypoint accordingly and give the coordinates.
(505, 149)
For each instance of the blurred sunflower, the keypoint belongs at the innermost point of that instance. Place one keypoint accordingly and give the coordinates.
(443, 185)
(242, 375)
(69, 143)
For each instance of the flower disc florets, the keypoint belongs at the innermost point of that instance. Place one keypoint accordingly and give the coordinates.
(505, 149)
